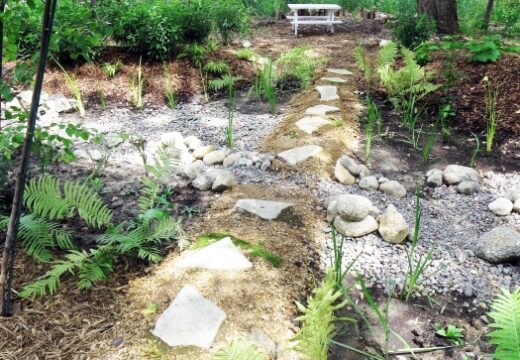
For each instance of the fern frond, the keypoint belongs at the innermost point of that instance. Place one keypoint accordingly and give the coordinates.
(149, 193)
(217, 67)
(88, 203)
(91, 266)
(240, 350)
(318, 320)
(166, 160)
(387, 54)
(43, 197)
(506, 316)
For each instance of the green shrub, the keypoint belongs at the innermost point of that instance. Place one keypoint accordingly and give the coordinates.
(409, 28)
(76, 34)
(230, 17)
(298, 64)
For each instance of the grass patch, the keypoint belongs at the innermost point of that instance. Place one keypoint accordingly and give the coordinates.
(255, 250)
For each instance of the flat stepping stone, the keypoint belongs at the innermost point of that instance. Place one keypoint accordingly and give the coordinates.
(299, 154)
(311, 123)
(191, 319)
(321, 110)
(265, 209)
(340, 71)
(222, 255)
(336, 80)
(328, 92)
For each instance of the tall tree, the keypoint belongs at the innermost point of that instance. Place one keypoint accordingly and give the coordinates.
(444, 12)
(487, 15)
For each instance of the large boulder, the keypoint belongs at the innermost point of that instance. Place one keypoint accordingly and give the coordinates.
(454, 174)
(202, 151)
(501, 207)
(467, 187)
(392, 226)
(195, 169)
(516, 205)
(501, 244)
(351, 165)
(393, 188)
(223, 181)
(355, 228)
(369, 183)
(354, 207)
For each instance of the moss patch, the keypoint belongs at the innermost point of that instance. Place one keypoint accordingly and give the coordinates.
(256, 250)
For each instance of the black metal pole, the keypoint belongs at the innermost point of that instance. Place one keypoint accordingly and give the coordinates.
(2, 9)
(8, 258)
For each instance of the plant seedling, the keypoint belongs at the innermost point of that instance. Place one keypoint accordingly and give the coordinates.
(454, 334)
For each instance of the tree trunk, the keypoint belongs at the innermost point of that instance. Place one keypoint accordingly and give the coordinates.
(2, 9)
(444, 12)
(487, 15)
(8, 256)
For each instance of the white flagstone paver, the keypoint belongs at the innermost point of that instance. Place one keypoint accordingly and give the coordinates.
(310, 124)
(321, 110)
(340, 71)
(222, 255)
(299, 154)
(336, 80)
(191, 319)
(328, 92)
(265, 209)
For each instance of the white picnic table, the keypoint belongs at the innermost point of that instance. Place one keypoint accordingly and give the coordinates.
(327, 19)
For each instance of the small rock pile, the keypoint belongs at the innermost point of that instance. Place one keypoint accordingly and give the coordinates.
(506, 204)
(355, 216)
(348, 171)
(465, 179)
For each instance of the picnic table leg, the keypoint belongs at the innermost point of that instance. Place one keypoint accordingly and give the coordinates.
(332, 14)
(295, 20)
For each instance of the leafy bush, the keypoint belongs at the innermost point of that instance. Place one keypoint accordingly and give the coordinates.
(409, 28)
(230, 17)
(483, 51)
(407, 82)
(298, 64)
(76, 33)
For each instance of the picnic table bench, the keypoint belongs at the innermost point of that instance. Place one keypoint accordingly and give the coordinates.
(327, 19)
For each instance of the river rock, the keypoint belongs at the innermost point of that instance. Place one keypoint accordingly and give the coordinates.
(516, 205)
(351, 165)
(343, 175)
(265, 209)
(501, 244)
(354, 207)
(501, 206)
(223, 181)
(454, 174)
(392, 226)
(434, 178)
(214, 157)
(393, 188)
(356, 228)
(513, 194)
(195, 169)
(299, 154)
(202, 151)
(369, 183)
(467, 187)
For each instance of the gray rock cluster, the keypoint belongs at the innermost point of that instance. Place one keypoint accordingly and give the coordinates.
(506, 204)
(465, 179)
(355, 216)
(348, 171)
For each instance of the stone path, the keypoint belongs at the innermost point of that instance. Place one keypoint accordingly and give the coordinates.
(222, 255)
(328, 92)
(191, 319)
(336, 80)
(310, 124)
(265, 209)
(339, 71)
(300, 154)
(321, 110)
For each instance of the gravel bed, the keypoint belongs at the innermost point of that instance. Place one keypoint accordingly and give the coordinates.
(451, 222)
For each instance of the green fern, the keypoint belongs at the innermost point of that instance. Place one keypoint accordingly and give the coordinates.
(506, 337)
(39, 236)
(166, 160)
(363, 63)
(387, 54)
(318, 318)
(90, 267)
(45, 198)
(223, 82)
(217, 67)
(149, 194)
(240, 350)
